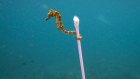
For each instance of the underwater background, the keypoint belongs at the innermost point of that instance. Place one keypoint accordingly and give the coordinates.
(31, 48)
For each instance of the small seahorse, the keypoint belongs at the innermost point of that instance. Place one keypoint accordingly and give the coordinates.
(59, 24)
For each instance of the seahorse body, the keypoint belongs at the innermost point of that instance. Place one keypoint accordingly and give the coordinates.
(59, 24)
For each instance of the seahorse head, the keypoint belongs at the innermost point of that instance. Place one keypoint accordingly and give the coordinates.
(50, 14)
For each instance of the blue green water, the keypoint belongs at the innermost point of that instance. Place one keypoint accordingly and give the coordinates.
(31, 48)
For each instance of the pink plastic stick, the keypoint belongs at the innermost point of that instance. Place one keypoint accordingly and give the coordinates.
(76, 24)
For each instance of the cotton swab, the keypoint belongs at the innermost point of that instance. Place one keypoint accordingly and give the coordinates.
(76, 24)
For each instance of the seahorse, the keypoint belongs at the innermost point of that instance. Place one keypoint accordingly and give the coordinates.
(59, 25)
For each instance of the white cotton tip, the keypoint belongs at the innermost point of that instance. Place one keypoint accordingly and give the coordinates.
(76, 21)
